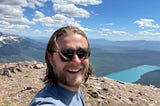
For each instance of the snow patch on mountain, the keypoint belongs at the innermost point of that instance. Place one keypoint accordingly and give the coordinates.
(8, 38)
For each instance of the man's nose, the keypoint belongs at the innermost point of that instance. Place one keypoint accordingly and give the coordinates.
(76, 59)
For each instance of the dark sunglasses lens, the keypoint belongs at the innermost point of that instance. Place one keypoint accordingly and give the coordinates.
(82, 53)
(68, 53)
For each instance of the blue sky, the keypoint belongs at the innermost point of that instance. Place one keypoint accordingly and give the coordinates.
(115, 20)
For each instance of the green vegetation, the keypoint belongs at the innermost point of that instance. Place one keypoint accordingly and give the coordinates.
(150, 78)
(14, 58)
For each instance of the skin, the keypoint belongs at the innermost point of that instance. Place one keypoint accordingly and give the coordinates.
(71, 73)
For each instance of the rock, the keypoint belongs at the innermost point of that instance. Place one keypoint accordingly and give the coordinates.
(38, 66)
(94, 94)
(5, 72)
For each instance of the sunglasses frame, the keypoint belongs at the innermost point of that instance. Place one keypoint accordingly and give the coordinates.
(65, 59)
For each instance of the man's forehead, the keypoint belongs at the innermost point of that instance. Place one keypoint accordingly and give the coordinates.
(70, 36)
(72, 41)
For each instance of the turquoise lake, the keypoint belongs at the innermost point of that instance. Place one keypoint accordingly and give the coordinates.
(132, 74)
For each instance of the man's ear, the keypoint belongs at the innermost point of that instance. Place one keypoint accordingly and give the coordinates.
(50, 58)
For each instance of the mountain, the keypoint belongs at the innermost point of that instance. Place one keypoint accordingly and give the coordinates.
(112, 56)
(17, 48)
(106, 56)
(135, 44)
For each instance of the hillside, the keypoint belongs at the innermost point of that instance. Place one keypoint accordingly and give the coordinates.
(17, 48)
(153, 77)
(20, 81)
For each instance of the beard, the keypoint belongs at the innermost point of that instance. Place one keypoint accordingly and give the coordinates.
(71, 79)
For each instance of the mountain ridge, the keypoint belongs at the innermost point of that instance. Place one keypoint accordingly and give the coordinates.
(12, 46)
(111, 55)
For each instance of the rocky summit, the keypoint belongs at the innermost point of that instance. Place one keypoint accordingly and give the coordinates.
(22, 80)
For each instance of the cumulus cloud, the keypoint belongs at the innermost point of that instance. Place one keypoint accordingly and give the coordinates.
(114, 35)
(149, 33)
(44, 32)
(12, 12)
(106, 31)
(79, 2)
(34, 3)
(57, 20)
(147, 23)
(4, 23)
(119, 32)
(13, 2)
(85, 2)
(17, 26)
(14, 28)
(39, 15)
(71, 10)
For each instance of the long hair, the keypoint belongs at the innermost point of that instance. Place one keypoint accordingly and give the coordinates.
(50, 77)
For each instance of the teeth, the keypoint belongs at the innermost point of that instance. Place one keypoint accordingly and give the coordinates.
(74, 70)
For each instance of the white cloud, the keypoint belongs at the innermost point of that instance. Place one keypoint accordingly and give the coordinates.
(33, 3)
(106, 31)
(149, 33)
(4, 23)
(57, 20)
(48, 32)
(147, 23)
(13, 2)
(86, 29)
(13, 19)
(85, 2)
(16, 26)
(39, 15)
(9, 10)
(12, 12)
(71, 10)
(119, 32)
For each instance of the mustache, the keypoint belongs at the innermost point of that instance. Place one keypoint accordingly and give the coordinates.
(80, 66)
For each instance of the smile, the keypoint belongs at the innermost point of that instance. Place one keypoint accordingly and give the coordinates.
(74, 71)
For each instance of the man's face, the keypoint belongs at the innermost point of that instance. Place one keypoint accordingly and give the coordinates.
(71, 73)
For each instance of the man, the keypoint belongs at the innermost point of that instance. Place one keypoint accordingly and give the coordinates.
(67, 57)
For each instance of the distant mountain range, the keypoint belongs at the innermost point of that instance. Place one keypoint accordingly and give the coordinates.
(17, 48)
(106, 57)
(113, 56)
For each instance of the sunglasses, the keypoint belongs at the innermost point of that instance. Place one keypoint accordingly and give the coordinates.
(67, 54)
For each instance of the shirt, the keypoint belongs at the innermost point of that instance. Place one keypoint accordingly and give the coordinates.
(57, 96)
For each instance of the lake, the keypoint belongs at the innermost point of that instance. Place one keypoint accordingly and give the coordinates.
(132, 74)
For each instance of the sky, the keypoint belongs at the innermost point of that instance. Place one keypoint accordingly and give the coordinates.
(116, 20)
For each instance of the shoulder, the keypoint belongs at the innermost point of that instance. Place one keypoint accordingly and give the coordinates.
(46, 102)
(46, 91)
(47, 96)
